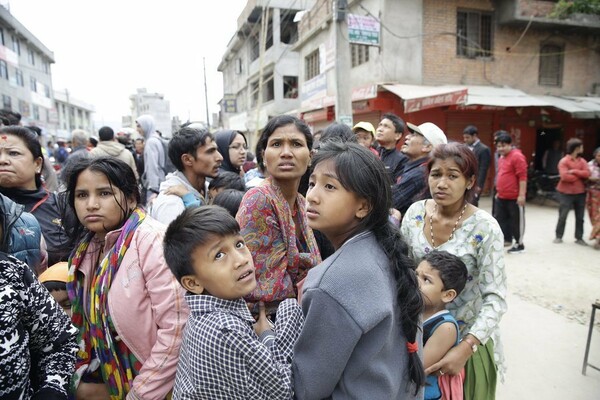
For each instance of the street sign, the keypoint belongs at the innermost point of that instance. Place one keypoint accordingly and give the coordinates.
(363, 30)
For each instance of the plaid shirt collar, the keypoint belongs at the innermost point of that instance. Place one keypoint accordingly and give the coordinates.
(204, 304)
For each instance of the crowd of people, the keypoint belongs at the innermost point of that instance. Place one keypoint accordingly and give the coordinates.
(333, 264)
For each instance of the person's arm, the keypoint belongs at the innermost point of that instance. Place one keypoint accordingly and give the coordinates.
(442, 340)
(152, 164)
(492, 286)
(582, 171)
(157, 374)
(53, 339)
(566, 174)
(324, 346)
(484, 165)
(521, 172)
(165, 208)
(259, 226)
(403, 193)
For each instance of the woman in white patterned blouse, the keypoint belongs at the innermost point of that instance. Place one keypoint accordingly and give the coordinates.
(449, 222)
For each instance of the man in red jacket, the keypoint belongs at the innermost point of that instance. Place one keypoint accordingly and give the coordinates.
(573, 170)
(511, 186)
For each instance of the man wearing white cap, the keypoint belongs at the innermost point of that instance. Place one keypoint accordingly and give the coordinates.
(412, 185)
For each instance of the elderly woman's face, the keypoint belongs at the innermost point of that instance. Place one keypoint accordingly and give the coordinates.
(18, 168)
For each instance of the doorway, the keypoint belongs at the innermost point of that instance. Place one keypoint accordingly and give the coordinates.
(549, 149)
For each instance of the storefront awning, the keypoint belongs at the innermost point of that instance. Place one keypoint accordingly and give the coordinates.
(417, 97)
(578, 107)
(501, 97)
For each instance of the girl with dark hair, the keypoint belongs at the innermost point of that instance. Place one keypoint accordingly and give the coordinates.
(21, 162)
(233, 147)
(127, 305)
(272, 216)
(362, 305)
(448, 222)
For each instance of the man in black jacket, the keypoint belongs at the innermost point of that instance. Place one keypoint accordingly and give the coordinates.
(388, 134)
(483, 155)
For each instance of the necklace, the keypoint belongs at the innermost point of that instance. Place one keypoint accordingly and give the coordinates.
(453, 229)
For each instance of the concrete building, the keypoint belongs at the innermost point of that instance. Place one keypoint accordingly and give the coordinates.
(143, 102)
(496, 64)
(260, 68)
(25, 75)
(72, 114)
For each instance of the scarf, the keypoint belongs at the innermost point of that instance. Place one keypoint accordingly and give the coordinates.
(95, 335)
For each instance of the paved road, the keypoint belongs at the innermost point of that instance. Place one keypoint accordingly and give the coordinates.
(551, 289)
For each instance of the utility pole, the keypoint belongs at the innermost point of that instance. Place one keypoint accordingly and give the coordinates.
(206, 93)
(343, 88)
(264, 25)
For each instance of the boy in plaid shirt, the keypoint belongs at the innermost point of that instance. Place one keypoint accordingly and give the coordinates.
(225, 353)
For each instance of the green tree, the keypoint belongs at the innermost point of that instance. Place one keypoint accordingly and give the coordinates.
(564, 8)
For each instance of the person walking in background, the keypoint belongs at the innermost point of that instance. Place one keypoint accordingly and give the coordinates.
(511, 187)
(574, 171)
(139, 155)
(388, 135)
(552, 157)
(593, 197)
(108, 146)
(154, 156)
(449, 222)
(412, 184)
(483, 155)
(80, 139)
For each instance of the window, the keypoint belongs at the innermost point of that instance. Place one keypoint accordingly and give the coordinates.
(254, 47)
(24, 108)
(238, 66)
(36, 113)
(31, 56)
(290, 87)
(311, 65)
(359, 53)
(289, 28)
(253, 94)
(268, 88)
(551, 65)
(16, 45)
(2, 37)
(32, 84)
(19, 77)
(6, 102)
(474, 34)
(46, 66)
(3, 69)
(47, 91)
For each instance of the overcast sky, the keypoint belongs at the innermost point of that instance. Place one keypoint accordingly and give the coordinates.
(105, 49)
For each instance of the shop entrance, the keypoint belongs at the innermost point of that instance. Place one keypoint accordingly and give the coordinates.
(549, 148)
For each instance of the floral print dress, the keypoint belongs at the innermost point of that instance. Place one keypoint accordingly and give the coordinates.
(479, 244)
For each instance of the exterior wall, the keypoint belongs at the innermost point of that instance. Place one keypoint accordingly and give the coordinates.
(154, 104)
(517, 68)
(24, 99)
(72, 114)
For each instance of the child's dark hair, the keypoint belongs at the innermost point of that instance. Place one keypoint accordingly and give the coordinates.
(453, 272)
(119, 175)
(193, 228)
(227, 180)
(229, 199)
(361, 172)
(55, 286)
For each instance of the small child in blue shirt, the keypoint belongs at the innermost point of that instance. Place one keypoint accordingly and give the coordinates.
(225, 353)
(442, 276)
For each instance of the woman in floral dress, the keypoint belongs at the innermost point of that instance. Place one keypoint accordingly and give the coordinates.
(593, 198)
(448, 222)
